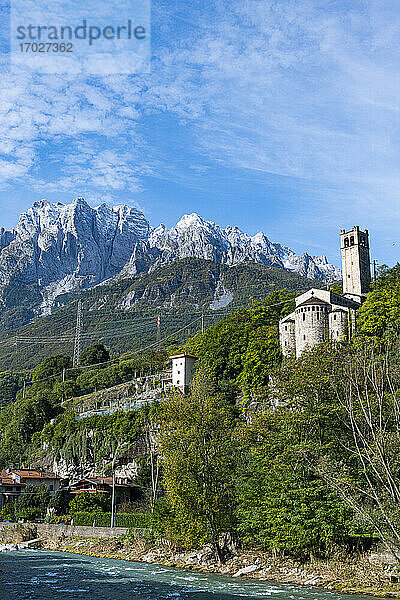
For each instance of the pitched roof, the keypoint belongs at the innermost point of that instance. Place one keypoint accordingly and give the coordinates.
(100, 480)
(32, 474)
(9, 481)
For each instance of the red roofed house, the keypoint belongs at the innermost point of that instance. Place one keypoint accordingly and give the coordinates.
(13, 481)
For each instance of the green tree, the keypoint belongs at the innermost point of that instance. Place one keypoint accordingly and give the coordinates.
(10, 383)
(60, 502)
(379, 315)
(225, 347)
(32, 503)
(263, 354)
(94, 355)
(53, 365)
(198, 456)
(282, 504)
(90, 502)
(345, 400)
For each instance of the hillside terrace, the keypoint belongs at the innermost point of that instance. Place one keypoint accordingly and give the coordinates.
(125, 396)
(138, 392)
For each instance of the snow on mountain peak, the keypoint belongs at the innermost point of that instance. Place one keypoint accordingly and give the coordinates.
(193, 236)
(157, 234)
(191, 220)
(65, 247)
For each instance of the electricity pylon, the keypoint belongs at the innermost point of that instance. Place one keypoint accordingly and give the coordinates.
(77, 344)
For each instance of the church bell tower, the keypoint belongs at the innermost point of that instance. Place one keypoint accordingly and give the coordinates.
(356, 264)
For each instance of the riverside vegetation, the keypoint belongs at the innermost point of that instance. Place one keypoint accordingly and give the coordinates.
(298, 457)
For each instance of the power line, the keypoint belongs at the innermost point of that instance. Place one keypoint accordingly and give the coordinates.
(139, 350)
(126, 355)
(139, 327)
(121, 357)
(168, 337)
(77, 344)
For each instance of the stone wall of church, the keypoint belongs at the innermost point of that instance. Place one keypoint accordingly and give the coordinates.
(338, 320)
(287, 337)
(312, 325)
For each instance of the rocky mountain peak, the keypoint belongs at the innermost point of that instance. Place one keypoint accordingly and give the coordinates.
(59, 248)
(191, 220)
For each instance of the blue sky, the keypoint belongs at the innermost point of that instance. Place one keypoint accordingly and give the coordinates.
(281, 116)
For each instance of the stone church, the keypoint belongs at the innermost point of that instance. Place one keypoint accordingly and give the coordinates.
(320, 314)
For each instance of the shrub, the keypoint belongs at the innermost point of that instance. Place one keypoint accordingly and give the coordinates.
(129, 520)
(89, 502)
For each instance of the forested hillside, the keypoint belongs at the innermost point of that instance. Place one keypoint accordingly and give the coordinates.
(299, 456)
(123, 315)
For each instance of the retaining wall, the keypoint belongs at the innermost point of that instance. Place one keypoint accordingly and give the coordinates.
(54, 531)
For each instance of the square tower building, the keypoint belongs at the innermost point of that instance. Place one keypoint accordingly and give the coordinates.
(356, 264)
(183, 370)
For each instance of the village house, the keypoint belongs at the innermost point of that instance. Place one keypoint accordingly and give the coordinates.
(13, 482)
(140, 391)
(124, 491)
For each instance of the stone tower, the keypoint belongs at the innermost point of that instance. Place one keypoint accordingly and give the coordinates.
(355, 263)
(183, 369)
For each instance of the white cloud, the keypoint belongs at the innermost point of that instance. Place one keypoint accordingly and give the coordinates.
(288, 88)
(294, 90)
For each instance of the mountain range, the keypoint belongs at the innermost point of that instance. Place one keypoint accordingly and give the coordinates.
(58, 249)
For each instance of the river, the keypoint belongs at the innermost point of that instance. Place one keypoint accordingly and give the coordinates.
(39, 575)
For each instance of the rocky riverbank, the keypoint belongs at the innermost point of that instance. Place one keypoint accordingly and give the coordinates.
(371, 573)
(358, 574)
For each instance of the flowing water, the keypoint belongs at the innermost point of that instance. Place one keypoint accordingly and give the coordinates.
(38, 575)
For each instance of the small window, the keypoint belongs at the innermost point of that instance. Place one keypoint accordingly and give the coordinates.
(348, 276)
(346, 242)
(178, 382)
(285, 343)
(334, 317)
(352, 240)
(179, 372)
(304, 337)
(51, 487)
(313, 307)
(304, 316)
(285, 327)
(317, 316)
